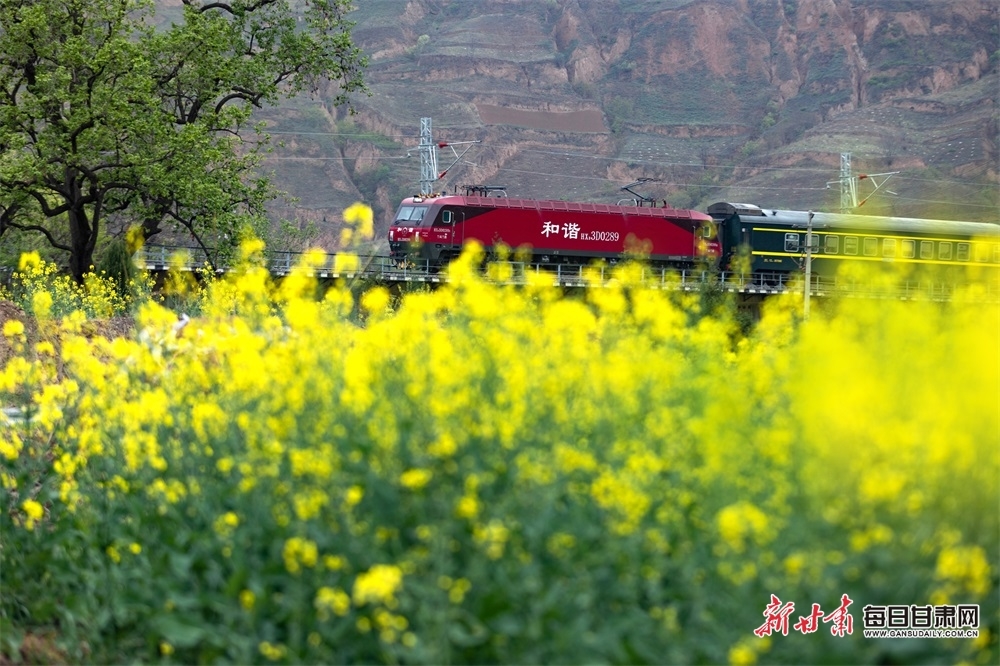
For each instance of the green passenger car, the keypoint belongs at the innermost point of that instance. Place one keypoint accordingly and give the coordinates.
(775, 241)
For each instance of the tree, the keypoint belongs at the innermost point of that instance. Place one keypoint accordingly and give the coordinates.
(103, 114)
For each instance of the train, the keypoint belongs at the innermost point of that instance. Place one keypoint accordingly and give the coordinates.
(729, 236)
(433, 229)
(775, 241)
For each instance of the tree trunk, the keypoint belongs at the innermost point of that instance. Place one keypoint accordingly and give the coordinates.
(83, 230)
(83, 239)
(81, 255)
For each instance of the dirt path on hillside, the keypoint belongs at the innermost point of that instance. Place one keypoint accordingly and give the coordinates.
(588, 120)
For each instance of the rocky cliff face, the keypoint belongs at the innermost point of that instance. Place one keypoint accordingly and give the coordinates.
(704, 96)
(846, 54)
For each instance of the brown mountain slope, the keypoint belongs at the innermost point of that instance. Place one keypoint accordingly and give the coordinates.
(752, 100)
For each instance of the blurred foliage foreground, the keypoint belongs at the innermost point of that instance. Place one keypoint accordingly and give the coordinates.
(494, 474)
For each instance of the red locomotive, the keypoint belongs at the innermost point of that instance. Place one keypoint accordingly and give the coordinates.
(434, 229)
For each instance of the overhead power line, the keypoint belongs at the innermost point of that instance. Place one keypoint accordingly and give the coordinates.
(963, 204)
(378, 158)
(359, 134)
(706, 185)
(700, 165)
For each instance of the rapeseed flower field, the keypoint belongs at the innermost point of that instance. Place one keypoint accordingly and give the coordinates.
(487, 473)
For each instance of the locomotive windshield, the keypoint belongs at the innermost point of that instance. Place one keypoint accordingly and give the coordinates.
(411, 214)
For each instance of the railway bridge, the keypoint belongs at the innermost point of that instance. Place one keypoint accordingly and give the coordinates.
(384, 269)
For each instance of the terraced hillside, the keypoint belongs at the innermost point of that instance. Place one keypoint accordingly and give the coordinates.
(750, 100)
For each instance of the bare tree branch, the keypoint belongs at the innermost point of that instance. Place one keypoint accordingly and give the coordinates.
(228, 8)
(190, 226)
(45, 232)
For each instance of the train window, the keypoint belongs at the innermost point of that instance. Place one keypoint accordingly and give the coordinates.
(832, 244)
(962, 253)
(996, 254)
(447, 217)
(871, 246)
(850, 245)
(791, 242)
(982, 253)
(944, 251)
(404, 213)
(926, 249)
(888, 247)
(909, 248)
(411, 214)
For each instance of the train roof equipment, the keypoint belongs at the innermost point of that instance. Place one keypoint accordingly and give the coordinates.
(800, 218)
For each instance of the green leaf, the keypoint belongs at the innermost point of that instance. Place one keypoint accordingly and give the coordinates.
(177, 632)
(468, 632)
(11, 638)
(180, 564)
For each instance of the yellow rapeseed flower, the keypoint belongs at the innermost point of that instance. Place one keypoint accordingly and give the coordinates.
(41, 304)
(299, 552)
(966, 566)
(361, 217)
(492, 537)
(10, 444)
(623, 498)
(375, 300)
(33, 511)
(794, 564)
(272, 651)
(134, 238)
(225, 524)
(29, 261)
(332, 599)
(444, 447)
(343, 262)
(334, 562)
(308, 503)
(621, 405)
(458, 590)
(13, 328)
(378, 585)
(467, 507)
(741, 523)
(560, 544)
(415, 479)
(742, 655)
(354, 495)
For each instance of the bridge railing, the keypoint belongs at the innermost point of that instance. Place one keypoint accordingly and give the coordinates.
(386, 269)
